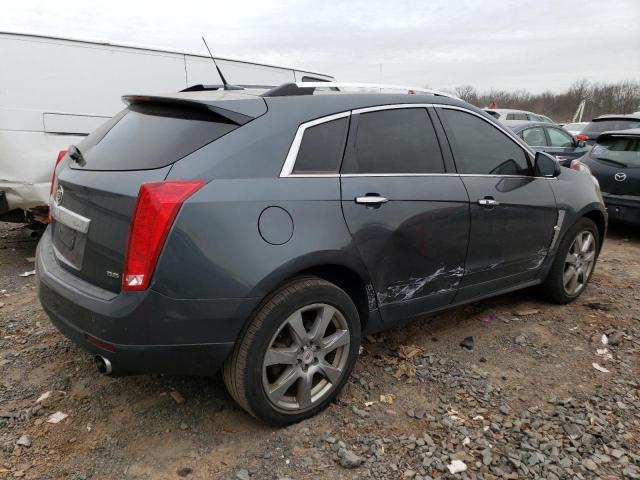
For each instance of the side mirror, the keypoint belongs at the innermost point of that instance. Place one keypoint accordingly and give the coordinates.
(546, 166)
(581, 144)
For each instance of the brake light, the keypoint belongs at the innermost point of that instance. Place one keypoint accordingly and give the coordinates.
(582, 137)
(578, 166)
(61, 155)
(157, 206)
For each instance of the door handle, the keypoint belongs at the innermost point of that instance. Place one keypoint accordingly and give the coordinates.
(488, 202)
(371, 200)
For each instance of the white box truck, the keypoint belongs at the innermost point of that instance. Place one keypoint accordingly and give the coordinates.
(54, 91)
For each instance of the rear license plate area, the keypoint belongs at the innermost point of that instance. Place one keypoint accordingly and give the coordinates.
(69, 245)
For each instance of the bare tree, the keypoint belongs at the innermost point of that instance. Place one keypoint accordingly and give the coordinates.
(601, 98)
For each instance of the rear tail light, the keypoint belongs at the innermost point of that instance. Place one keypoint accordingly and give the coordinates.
(582, 137)
(61, 155)
(578, 166)
(156, 209)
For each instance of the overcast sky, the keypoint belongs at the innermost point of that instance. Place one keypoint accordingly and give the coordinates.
(505, 44)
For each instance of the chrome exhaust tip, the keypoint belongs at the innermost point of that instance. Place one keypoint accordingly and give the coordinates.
(103, 365)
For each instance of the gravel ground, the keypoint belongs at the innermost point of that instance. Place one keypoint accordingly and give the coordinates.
(525, 402)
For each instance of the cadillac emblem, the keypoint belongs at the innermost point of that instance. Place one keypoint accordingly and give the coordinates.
(58, 195)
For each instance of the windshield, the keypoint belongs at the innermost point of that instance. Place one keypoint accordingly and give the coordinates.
(620, 150)
(610, 125)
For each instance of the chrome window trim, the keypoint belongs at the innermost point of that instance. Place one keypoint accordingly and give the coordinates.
(313, 175)
(395, 106)
(292, 155)
(349, 175)
(485, 175)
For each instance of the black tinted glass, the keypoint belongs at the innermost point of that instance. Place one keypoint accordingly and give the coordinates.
(394, 141)
(146, 137)
(321, 148)
(480, 148)
(623, 150)
(610, 125)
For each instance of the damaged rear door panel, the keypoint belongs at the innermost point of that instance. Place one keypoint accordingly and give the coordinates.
(409, 220)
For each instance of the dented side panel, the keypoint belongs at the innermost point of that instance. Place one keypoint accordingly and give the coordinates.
(509, 242)
(414, 246)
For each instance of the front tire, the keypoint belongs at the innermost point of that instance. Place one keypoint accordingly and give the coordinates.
(574, 263)
(296, 353)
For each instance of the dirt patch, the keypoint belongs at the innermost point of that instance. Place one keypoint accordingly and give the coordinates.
(525, 401)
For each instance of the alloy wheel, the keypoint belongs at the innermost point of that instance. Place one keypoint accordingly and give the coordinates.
(579, 262)
(306, 358)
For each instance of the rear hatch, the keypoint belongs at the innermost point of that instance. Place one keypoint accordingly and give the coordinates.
(615, 162)
(593, 129)
(95, 192)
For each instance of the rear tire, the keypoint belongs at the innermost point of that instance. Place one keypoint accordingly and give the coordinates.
(296, 353)
(574, 263)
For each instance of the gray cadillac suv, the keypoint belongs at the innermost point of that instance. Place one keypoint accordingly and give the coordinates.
(265, 233)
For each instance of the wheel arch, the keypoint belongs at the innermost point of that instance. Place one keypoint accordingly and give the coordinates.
(347, 275)
(599, 218)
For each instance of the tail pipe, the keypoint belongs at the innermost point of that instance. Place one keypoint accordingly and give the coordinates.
(103, 364)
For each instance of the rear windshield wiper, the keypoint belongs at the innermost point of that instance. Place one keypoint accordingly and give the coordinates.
(615, 162)
(76, 155)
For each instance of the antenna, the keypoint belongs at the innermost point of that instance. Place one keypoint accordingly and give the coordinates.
(226, 85)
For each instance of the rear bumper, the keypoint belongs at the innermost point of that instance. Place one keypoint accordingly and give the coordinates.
(145, 331)
(623, 208)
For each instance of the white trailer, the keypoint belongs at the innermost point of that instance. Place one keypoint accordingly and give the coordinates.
(54, 91)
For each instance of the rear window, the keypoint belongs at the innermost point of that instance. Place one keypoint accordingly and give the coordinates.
(321, 148)
(517, 116)
(610, 125)
(144, 137)
(624, 150)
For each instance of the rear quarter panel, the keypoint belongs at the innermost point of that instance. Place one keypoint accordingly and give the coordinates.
(216, 249)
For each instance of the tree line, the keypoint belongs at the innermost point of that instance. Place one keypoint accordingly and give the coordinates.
(601, 98)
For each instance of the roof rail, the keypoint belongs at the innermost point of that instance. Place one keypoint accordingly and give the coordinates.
(307, 88)
(201, 88)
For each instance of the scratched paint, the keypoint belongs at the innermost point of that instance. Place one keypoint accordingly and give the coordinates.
(406, 290)
(538, 258)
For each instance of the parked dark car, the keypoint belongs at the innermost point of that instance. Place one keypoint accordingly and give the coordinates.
(615, 162)
(549, 138)
(266, 234)
(608, 123)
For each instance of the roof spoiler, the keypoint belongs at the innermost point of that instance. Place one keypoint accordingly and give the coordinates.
(188, 104)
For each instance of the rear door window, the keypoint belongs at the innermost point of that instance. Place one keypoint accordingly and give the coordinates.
(480, 148)
(534, 137)
(560, 138)
(394, 141)
(321, 148)
(144, 137)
